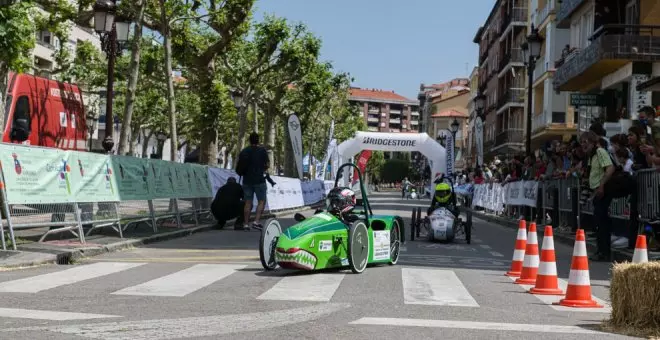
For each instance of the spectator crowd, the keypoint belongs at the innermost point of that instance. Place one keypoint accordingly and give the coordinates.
(605, 166)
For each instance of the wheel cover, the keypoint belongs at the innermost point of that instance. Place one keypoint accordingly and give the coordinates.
(271, 234)
(395, 242)
(360, 246)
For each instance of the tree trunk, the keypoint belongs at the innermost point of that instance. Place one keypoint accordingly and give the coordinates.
(124, 145)
(145, 143)
(255, 121)
(208, 151)
(289, 168)
(242, 127)
(135, 133)
(4, 79)
(269, 138)
(167, 43)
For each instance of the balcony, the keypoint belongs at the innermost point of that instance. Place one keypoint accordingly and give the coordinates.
(517, 16)
(374, 110)
(544, 13)
(415, 113)
(512, 59)
(540, 68)
(512, 97)
(372, 128)
(373, 119)
(565, 11)
(414, 122)
(395, 121)
(511, 136)
(612, 46)
(395, 112)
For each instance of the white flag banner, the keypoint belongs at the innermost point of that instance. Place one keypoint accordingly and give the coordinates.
(295, 133)
(479, 136)
(328, 153)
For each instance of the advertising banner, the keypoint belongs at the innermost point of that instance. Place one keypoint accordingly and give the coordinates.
(44, 176)
(135, 179)
(362, 165)
(295, 133)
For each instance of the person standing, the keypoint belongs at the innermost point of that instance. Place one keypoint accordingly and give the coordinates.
(252, 164)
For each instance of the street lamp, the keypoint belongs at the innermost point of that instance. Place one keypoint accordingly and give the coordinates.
(479, 104)
(91, 120)
(237, 97)
(161, 137)
(531, 50)
(114, 33)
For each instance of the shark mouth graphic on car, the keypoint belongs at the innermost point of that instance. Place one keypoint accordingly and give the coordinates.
(295, 258)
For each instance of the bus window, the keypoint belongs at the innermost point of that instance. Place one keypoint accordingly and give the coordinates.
(20, 128)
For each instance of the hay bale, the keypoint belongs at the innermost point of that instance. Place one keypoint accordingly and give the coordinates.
(635, 297)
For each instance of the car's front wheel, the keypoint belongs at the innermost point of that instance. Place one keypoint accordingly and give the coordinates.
(358, 247)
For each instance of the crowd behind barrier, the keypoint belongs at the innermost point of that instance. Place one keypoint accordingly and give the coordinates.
(558, 201)
(78, 192)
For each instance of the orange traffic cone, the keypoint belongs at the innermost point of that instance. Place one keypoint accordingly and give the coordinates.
(546, 279)
(531, 263)
(519, 251)
(641, 254)
(578, 293)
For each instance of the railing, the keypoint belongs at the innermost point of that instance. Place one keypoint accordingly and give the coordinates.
(544, 13)
(395, 121)
(373, 119)
(516, 14)
(628, 42)
(565, 10)
(511, 96)
(515, 55)
(509, 136)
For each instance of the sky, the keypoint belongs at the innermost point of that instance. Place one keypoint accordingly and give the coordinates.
(391, 44)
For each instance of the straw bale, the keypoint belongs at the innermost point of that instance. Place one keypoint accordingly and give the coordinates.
(635, 298)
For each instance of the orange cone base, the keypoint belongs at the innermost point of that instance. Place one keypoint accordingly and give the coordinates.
(578, 303)
(513, 274)
(526, 281)
(546, 291)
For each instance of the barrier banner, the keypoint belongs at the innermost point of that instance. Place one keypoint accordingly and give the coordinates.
(287, 194)
(494, 196)
(36, 175)
(134, 178)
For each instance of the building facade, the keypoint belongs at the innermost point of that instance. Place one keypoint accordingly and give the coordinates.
(551, 118)
(470, 147)
(386, 111)
(611, 60)
(450, 106)
(502, 76)
(426, 92)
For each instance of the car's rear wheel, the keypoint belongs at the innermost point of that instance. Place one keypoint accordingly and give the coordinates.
(358, 247)
(395, 241)
(268, 242)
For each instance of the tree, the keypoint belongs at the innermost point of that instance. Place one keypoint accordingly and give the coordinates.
(394, 170)
(375, 164)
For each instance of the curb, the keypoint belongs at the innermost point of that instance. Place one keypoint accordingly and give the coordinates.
(66, 256)
(617, 254)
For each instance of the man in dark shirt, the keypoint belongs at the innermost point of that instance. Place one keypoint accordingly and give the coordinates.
(254, 182)
(228, 204)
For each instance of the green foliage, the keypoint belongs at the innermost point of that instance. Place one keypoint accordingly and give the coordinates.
(88, 69)
(17, 38)
(375, 164)
(394, 170)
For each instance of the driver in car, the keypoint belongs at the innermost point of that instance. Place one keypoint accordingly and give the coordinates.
(444, 198)
(341, 201)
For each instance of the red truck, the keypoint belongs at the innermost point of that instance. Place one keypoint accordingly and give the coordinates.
(44, 112)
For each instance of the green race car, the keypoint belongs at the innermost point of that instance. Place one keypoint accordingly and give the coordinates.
(353, 237)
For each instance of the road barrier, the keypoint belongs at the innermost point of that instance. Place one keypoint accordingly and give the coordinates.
(70, 191)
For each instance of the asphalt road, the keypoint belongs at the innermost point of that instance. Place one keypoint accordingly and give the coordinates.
(211, 286)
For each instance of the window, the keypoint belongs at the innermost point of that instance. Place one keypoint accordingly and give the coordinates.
(20, 129)
(582, 27)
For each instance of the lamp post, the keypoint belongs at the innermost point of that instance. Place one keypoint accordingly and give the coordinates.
(161, 137)
(114, 35)
(531, 51)
(91, 120)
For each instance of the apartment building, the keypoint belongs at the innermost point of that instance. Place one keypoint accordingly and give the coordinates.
(446, 108)
(611, 61)
(426, 92)
(470, 147)
(550, 118)
(386, 111)
(502, 76)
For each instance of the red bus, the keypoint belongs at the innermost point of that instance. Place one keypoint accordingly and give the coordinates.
(44, 112)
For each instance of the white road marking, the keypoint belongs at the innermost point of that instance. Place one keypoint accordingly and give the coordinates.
(434, 287)
(313, 287)
(194, 327)
(486, 326)
(496, 254)
(49, 315)
(39, 283)
(485, 246)
(477, 240)
(182, 282)
(563, 284)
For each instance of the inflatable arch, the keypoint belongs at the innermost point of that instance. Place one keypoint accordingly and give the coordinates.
(398, 142)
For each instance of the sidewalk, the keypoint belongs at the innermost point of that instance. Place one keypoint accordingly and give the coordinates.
(618, 255)
(66, 251)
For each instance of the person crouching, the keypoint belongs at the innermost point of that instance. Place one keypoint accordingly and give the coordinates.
(228, 204)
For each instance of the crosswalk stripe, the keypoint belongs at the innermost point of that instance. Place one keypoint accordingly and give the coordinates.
(313, 287)
(434, 287)
(19, 313)
(43, 282)
(550, 299)
(182, 282)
